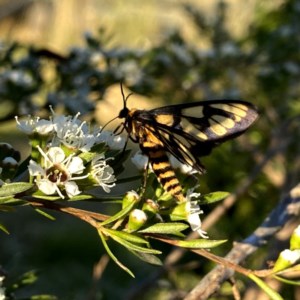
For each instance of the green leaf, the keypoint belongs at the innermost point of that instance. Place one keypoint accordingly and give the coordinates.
(40, 195)
(3, 228)
(287, 281)
(25, 279)
(38, 210)
(81, 197)
(11, 200)
(288, 272)
(147, 257)
(9, 189)
(120, 214)
(112, 256)
(198, 243)
(166, 228)
(130, 245)
(6, 199)
(269, 291)
(43, 297)
(128, 236)
(213, 197)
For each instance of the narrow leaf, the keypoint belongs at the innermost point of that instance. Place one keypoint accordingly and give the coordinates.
(11, 200)
(14, 188)
(199, 243)
(134, 247)
(166, 228)
(120, 214)
(213, 197)
(6, 199)
(43, 297)
(81, 197)
(287, 281)
(128, 236)
(3, 228)
(48, 216)
(112, 256)
(269, 291)
(40, 195)
(195, 244)
(148, 258)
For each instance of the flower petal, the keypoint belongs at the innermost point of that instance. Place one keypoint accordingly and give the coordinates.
(72, 189)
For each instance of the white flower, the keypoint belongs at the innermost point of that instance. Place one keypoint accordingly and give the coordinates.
(35, 124)
(115, 142)
(2, 289)
(2, 294)
(194, 211)
(103, 173)
(73, 133)
(56, 171)
(140, 160)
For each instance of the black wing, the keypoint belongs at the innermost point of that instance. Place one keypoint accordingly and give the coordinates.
(189, 131)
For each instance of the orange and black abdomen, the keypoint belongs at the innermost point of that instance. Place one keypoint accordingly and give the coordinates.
(159, 161)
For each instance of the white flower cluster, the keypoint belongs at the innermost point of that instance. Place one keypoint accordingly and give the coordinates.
(2, 289)
(62, 143)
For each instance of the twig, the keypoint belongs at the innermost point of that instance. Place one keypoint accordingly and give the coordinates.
(84, 215)
(276, 146)
(279, 216)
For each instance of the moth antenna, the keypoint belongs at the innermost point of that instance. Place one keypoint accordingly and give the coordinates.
(108, 123)
(123, 95)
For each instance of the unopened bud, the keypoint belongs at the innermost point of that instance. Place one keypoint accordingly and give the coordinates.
(295, 239)
(286, 259)
(130, 198)
(150, 207)
(137, 219)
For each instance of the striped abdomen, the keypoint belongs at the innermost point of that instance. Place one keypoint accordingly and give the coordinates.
(161, 167)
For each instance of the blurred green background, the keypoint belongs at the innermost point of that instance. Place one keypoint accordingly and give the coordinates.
(165, 52)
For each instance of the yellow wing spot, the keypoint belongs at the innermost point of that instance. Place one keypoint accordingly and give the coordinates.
(191, 129)
(238, 109)
(218, 129)
(226, 122)
(165, 119)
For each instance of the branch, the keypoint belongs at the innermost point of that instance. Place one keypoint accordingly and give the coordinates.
(286, 209)
(84, 215)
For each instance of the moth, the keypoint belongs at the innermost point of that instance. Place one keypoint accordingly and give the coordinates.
(187, 131)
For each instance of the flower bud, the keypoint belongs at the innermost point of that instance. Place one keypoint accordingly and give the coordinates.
(295, 239)
(130, 197)
(286, 259)
(150, 207)
(137, 219)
